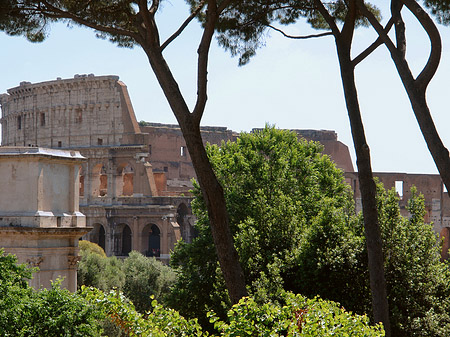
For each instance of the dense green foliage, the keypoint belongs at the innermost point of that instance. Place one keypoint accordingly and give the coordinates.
(54, 312)
(275, 186)
(97, 270)
(139, 277)
(418, 283)
(294, 229)
(145, 277)
(299, 317)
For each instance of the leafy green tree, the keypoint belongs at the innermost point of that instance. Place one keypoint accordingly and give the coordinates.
(310, 242)
(418, 283)
(242, 30)
(276, 186)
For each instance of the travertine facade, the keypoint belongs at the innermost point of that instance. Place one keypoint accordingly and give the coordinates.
(40, 220)
(134, 188)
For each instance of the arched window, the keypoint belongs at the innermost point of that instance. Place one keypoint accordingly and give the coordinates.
(187, 231)
(101, 237)
(97, 235)
(99, 181)
(122, 240)
(126, 241)
(154, 242)
(125, 180)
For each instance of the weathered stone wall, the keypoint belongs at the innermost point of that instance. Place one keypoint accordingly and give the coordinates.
(40, 220)
(168, 152)
(79, 112)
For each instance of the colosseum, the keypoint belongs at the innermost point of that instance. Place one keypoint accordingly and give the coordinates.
(134, 186)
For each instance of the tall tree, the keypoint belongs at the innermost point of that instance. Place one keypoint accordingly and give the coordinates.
(132, 22)
(242, 34)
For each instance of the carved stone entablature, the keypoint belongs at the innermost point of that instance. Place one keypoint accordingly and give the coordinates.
(35, 261)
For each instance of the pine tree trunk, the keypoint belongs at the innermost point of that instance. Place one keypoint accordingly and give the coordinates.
(367, 185)
(211, 189)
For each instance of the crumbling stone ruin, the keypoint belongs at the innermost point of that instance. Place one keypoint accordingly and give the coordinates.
(134, 187)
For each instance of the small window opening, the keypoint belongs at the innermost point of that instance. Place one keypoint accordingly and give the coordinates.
(59, 144)
(399, 188)
(99, 141)
(183, 151)
(42, 119)
(166, 169)
(149, 149)
(19, 122)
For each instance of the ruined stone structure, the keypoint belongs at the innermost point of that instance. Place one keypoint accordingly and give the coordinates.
(130, 206)
(134, 188)
(40, 220)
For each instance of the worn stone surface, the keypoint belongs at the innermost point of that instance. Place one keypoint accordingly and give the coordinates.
(40, 220)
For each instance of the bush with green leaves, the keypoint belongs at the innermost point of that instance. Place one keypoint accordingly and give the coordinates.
(97, 270)
(139, 277)
(146, 277)
(298, 317)
(47, 312)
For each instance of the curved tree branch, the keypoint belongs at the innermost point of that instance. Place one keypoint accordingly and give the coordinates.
(183, 26)
(430, 28)
(212, 14)
(299, 37)
(358, 59)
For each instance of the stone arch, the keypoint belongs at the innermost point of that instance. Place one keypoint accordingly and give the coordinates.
(125, 180)
(97, 235)
(122, 240)
(151, 240)
(445, 237)
(186, 229)
(99, 181)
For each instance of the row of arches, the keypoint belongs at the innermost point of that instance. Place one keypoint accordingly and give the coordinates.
(123, 176)
(123, 239)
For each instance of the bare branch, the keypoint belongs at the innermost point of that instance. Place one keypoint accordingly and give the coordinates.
(378, 27)
(299, 37)
(183, 26)
(396, 7)
(373, 46)
(212, 16)
(430, 28)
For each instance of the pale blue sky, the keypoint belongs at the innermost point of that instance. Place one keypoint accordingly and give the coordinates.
(292, 84)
